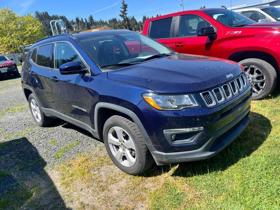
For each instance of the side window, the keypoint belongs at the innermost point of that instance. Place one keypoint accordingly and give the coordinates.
(34, 55)
(190, 25)
(160, 28)
(65, 53)
(254, 15)
(45, 56)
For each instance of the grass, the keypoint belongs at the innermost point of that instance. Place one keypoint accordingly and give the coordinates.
(59, 154)
(244, 176)
(13, 109)
(53, 142)
(14, 135)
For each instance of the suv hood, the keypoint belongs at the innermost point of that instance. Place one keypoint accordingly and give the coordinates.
(178, 73)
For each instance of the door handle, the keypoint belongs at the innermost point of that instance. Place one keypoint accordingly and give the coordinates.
(179, 44)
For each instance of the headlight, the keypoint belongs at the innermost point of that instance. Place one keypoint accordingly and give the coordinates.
(170, 102)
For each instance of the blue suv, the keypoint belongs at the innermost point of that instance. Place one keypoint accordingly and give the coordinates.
(147, 103)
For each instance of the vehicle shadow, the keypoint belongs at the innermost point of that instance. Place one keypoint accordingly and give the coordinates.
(24, 184)
(248, 142)
(12, 77)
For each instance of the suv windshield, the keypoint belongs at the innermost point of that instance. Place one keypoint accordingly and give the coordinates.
(3, 58)
(229, 18)
(117, 49)
(273, 12)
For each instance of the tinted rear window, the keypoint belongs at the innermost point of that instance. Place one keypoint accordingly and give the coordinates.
(161, 28)
(45, 56)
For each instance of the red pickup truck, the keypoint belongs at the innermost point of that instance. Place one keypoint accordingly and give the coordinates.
(225, 34)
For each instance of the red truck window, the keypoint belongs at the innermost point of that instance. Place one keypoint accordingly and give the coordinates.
(160, 28)
(191, 24)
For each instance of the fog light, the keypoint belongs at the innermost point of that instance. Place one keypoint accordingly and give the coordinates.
(182, 135)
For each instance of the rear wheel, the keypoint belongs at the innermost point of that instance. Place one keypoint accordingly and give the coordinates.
(37, 113)
(262, 76)
(126, 145)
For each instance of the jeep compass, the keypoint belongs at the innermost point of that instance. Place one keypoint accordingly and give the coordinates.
(147, 103)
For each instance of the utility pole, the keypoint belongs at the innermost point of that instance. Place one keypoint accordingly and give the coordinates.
(182, 5)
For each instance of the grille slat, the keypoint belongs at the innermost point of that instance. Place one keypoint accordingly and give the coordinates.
(208, 98)
(225, 92)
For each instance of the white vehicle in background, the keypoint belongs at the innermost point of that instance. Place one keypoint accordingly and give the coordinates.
(261, 14)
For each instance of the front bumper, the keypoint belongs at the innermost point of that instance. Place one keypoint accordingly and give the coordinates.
(213, 146)
(221, 126)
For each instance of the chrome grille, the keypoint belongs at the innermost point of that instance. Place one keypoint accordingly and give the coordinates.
(224, 93)
(227, 91)
(218, 94)
(233, 86)
(208, 98)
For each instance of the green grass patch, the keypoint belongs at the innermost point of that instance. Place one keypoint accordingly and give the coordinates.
(244, 176)
(15, 135)
(53, 142)
(59, 154)
(13, 109)
(170, 195)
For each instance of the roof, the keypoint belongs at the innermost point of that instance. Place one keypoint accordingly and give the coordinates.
(187, 11)
(65, 37)
(99, 33)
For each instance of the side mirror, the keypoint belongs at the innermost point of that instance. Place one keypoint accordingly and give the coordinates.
(208, 31)
(72, 68)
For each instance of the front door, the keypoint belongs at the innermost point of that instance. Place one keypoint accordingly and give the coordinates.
(186, 39)
(73, 97)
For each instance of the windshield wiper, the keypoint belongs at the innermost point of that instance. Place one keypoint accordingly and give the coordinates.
(157, 56)
(117, 65)
(136, 61)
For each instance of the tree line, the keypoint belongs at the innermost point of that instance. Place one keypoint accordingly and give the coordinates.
(18, 31)
(82, 24)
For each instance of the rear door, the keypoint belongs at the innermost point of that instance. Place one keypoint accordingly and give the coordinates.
(42, 74)
(162, 31)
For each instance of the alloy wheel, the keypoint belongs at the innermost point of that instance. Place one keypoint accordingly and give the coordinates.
(35, 110)
(256, 78)
(122, 146)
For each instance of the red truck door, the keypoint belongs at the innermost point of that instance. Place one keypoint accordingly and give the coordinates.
(162, 31)
(185, 35)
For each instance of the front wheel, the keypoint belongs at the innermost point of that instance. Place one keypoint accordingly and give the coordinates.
(126, 145)
(261, 75)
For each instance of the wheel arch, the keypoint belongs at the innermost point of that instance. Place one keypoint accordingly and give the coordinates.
(239, 56)
(27, 93)
(105, 110)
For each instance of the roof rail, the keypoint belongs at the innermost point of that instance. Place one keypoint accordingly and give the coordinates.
(58, 27)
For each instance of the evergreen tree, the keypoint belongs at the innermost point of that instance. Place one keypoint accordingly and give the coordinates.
(91, 21)
(123, 15)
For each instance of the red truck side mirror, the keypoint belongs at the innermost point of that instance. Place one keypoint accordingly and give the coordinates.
(208, 31)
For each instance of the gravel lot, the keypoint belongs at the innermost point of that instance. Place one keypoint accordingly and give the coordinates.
(54, 144)
(29, 154)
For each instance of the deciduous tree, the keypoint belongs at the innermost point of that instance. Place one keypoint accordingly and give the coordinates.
(17, 31)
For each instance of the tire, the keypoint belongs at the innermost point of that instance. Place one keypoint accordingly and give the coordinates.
(142, 159)
(39, 117)
(265, 72)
